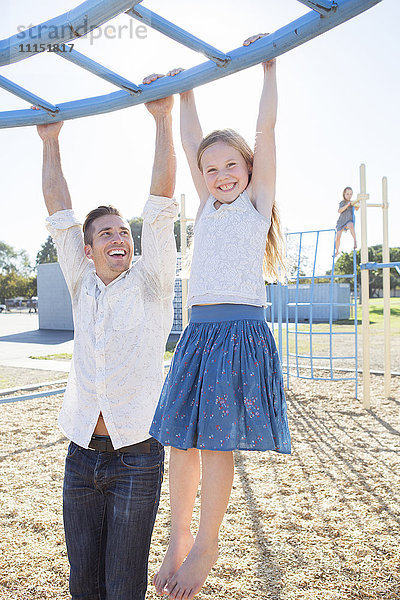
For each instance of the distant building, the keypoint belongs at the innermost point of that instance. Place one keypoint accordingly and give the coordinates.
(324, 298)
(55, 310)
(54, 301)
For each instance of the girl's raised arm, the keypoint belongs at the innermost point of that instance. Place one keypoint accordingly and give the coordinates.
(262, 185)
(191, 136)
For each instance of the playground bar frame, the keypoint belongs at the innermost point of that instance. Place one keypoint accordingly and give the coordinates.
(73, 24)
(93, 13)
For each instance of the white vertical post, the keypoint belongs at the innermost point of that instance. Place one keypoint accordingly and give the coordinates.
(365, 291)
(386, 285)
(184, 280)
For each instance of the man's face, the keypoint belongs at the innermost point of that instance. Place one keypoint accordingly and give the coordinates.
(112, 247)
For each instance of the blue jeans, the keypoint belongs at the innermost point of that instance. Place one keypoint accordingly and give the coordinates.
(110, 505)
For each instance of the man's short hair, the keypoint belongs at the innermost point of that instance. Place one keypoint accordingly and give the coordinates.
(100, 211)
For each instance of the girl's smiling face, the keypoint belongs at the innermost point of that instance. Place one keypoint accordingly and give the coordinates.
(225, 172)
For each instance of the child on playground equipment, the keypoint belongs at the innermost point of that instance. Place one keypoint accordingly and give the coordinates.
(224, 390)
(346, 217)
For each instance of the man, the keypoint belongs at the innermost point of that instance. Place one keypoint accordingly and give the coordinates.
(122, 317)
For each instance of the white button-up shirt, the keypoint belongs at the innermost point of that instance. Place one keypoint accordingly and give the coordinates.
(120, 329)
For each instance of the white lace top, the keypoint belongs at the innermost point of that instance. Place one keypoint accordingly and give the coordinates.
(229, 246)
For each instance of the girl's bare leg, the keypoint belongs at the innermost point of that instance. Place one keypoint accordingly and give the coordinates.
(184, 477)
(337, 241)
(353, 233)
(217, 479)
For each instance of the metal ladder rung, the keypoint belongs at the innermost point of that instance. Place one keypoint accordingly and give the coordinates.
(73, 24)
(97, 69)
(323, 7)
(178, 34)
(21, 92)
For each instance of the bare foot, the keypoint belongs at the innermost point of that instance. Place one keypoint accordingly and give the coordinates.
(174, 557)
(189, 580)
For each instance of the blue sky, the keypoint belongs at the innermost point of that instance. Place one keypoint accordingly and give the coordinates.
(339, 97)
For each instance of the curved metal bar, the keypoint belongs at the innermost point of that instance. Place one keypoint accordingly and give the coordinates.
(292, 35)
(73, 24)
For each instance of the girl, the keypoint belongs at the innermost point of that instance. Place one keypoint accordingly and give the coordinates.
(224, 390)
(346, 218)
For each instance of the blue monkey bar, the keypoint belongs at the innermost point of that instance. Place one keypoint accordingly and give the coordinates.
(21, 92)
(176, 33)
(323, 7)
(97, 69)
(91, 14)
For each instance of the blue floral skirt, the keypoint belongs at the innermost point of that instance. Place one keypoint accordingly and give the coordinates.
(224, 389)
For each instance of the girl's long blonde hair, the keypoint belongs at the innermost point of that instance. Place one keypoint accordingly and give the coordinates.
(274, 256)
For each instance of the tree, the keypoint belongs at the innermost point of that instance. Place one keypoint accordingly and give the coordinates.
(344, 265)
(15, 273)
(13, 284)
(47, 252)
(136, 229)
(13, 261)
(136, 225)
(8, 257)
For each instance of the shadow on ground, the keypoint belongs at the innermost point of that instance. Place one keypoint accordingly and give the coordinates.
(39, 336)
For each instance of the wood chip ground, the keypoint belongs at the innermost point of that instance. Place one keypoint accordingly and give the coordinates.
(321, 524)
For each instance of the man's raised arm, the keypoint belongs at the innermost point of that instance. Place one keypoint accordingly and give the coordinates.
(55, 189)
(164, 166)
(64, 228)
(161, 209)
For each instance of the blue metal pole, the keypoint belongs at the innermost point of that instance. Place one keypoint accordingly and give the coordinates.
(355, 317)
(178, 34)
(297, 304)
(21, 92)
(97, 69)
(32, 396)
(331, 305)
(279, 294)
(272, 298)
(311, 305)
(376, 265)
(323, 7)
(287, 336)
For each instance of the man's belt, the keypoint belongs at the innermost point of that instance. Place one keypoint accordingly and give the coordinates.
(102, 443)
